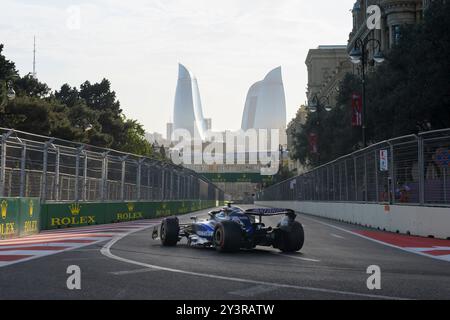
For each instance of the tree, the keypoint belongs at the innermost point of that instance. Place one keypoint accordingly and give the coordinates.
(31, 87)
(69, 112)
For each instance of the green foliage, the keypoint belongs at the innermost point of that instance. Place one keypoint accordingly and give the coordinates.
(407, 94)
(90, 114)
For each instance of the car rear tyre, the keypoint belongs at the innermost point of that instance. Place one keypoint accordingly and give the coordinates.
(227, 236)
(291, 239)
(170, 229)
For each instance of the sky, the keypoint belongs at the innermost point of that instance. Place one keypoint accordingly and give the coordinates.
(137, 45)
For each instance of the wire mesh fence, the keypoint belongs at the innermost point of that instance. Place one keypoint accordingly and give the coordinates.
(59, 170)
(413, 169)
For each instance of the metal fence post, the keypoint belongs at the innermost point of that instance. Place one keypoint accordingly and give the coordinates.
(3, 162)
(356, 179)
(328, 183)
(85, 177)
(44, 173)
(122, 180)
(366, 185)
(104, 184)
(23, 166)
(340, 181)
(163, 184)
(77, 173)
(377, 190)
(392, 174)
(171, 185)
(178, 186)
(421, 164)
(334, 182)
(346, 181)
(138, 179)
(3, 167)
(56, 183)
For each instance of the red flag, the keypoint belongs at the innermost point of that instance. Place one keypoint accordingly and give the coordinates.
(356, 110)
(313, 143)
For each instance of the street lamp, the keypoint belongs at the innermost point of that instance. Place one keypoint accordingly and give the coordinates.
(319, 102)
(11, 94)
(359, 55)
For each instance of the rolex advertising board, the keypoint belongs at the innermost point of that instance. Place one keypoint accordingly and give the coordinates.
(58, 215)
(19, 217)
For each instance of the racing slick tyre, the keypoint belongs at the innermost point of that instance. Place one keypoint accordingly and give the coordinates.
(227, 236)
(170, 229)
(291, 239)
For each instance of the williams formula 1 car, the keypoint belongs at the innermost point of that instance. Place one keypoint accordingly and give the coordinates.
(231, 229)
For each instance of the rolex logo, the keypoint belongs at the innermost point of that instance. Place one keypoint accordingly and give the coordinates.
(130, 207)
(4, 208)
(30, 208)
(75, 209)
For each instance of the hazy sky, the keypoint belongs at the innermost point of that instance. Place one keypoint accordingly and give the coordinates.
(137, 44)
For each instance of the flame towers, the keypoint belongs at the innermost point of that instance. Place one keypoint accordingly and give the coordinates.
(265, 106)
(188, 113)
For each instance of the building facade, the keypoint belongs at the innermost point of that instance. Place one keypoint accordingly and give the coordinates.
(327, 65)
(394, 14)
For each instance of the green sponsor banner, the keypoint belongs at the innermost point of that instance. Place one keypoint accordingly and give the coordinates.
(19, 217)
(124, 211)
(9, 218)
(249, 177)
(29, 216)
(59, 215)
(64, 215)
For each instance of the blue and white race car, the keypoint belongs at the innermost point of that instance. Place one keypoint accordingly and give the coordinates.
(232, 228)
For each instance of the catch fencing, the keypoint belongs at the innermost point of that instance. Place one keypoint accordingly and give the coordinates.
(413, 169)
(56, 170)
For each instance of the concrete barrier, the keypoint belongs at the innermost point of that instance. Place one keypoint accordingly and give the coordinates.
(414, 220)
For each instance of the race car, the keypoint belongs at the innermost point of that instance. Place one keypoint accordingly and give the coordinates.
(232, 228)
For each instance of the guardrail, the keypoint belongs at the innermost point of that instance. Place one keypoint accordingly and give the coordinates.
(57, 170)
(409, 170)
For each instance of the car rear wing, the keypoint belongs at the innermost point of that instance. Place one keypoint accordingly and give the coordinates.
(268, 212)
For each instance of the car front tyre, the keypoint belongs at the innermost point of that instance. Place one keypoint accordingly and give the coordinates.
(170, 229)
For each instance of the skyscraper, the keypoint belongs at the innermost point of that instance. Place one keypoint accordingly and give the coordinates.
(188, 113)
(265, 106)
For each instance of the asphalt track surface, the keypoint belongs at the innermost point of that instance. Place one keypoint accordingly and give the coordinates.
(332, 265)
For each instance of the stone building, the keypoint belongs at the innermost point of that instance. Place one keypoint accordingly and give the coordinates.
(327, 65)
(394, 14)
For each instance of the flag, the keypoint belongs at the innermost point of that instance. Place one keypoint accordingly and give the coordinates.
(356, 110)
(313, 143)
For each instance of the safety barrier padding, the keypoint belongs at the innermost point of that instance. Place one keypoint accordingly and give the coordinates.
(65, 215)
(19, 217)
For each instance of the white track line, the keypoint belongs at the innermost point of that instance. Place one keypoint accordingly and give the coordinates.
(336, 236)
(287, 255)
(106, 250)
(70, 247)
(121, 273)
(410, 250)
(253, 291)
